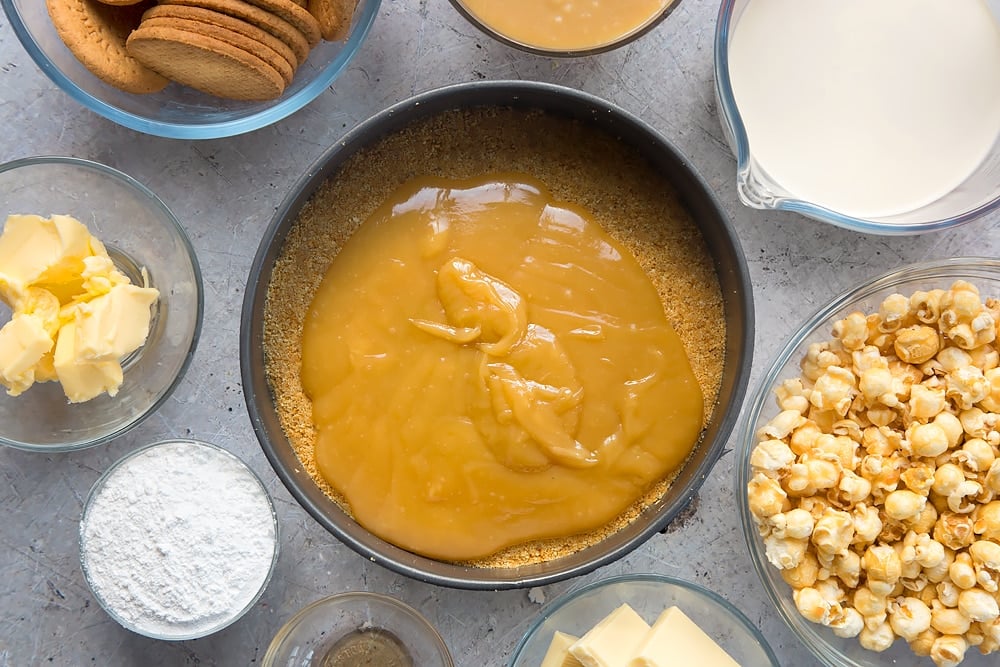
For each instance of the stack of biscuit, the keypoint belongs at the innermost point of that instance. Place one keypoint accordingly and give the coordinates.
(237, 49)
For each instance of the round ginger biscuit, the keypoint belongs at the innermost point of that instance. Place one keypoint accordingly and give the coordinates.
(96, 33)
(333, 16)
(205, 63)
(254, 15)
(265, 53)
(295, 14)
(229, 23)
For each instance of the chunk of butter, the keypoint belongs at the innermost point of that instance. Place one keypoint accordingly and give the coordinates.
(677, 640)
(75, 316)
(34, 249)
(81, 379)
(113, 324)
(613, 641)
(23, 343)
(558, 654)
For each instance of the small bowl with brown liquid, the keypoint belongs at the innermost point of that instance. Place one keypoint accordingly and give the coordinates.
(497, 336)
(351, 629)
(565, 28)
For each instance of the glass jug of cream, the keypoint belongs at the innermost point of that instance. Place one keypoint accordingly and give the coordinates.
(877, 116)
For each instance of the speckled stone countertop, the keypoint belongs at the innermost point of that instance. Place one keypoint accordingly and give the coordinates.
(225, 191)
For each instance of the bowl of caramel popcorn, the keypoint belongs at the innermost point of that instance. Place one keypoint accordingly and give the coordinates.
(869, 471)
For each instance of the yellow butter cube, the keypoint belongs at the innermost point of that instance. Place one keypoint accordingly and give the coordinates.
(558, 654)
(23, 342)
(114, 324)
(677, 640)
(83, 380)
(613, 641)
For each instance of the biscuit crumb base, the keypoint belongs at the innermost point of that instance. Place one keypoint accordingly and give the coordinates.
(582, 166)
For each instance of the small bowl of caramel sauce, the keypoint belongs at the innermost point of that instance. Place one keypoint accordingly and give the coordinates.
(497, 336)
(565, 28)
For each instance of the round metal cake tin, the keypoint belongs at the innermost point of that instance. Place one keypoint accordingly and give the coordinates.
(720, 239)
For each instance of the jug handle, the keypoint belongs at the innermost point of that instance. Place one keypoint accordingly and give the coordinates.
(756, 189)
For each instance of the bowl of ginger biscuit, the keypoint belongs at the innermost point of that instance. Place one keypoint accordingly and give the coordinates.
(192, 69)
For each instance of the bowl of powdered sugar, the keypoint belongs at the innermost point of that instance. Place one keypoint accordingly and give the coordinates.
(178, 540)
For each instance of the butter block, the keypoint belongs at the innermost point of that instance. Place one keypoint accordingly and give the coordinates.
(83, 380)
(75, 315)
(677, 640)
(613, 641)
(42, 304)
(113, 324)
(23, 343)
(34, 249)
(11, 290)
(99, 277)
(558, 654)
(45, 369)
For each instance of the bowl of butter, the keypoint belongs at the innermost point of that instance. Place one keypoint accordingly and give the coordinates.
(642, 619)
(100, 303)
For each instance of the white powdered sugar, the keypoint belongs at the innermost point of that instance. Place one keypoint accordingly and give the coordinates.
(178, 540)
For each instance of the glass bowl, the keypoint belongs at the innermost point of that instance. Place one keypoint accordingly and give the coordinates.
(178, 112)
(139, 232)
(496, 33)
(312, 635)
(827, 647)
(579, 610)
(976, 196)
(226, 473)
(601, 118)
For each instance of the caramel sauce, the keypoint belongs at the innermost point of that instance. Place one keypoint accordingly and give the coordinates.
(565, 25)
(488, 367)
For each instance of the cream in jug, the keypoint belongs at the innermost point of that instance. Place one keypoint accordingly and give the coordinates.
(869, 109)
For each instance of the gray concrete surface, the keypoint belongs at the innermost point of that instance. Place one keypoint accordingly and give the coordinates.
(224, 192)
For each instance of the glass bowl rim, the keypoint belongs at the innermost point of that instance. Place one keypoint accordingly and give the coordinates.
(98, 486)
(761, 394)
(174, 225)
(572, 594)
(732, 122)
(624, 40)
(348, 597)
(213, 130)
